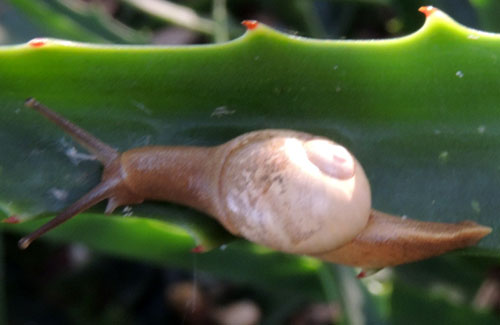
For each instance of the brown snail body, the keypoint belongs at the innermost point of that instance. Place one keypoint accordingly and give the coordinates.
(288, 190)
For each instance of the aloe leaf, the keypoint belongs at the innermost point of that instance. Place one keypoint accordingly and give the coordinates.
(176, 14)
(419, 112)
(15, 27)
(221, 21)
(487, 11)
(412, 305)
(358, 305)
(78, 21)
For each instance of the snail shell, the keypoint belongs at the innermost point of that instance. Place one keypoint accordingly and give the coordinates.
(292, 191)
(288, 190)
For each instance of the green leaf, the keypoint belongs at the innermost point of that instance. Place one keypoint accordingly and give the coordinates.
(77, 21)
(412, 305)
(419, 112)
(488, 11)
(176, 14)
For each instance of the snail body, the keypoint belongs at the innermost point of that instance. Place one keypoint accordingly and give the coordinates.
(288, 190)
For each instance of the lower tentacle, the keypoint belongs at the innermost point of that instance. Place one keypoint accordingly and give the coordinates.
(99, 193)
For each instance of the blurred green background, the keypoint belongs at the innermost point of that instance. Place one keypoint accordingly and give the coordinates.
(72, 284)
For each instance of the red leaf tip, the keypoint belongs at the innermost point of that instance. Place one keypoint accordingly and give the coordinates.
(12, 219)
(361, 275)
(198, 249)
(37, 42)
(250, 24)
(427, 10)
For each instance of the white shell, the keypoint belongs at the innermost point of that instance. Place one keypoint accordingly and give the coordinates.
(292, 191)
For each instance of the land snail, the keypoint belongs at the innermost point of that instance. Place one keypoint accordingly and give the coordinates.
(288, 190)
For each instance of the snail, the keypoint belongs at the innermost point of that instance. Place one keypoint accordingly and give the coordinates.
(288, 190)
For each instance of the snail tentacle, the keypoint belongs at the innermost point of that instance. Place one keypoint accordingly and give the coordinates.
(104, 153)
(96, 195)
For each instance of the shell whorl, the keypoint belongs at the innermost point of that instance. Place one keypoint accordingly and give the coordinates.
(292, 191)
